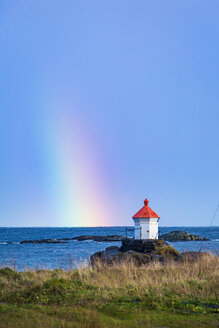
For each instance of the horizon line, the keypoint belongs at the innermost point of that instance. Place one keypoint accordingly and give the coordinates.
(105, 226)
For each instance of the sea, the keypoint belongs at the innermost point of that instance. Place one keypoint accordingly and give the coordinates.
(75, 253)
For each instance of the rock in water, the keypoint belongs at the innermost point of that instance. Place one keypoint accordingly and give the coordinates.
(100, 238)
(133, 257)
(105, 256)
(139, 252)
(180, 235)
(149, 246)
(43, 241)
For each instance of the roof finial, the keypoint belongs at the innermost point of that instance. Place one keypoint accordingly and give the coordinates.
(146, 202)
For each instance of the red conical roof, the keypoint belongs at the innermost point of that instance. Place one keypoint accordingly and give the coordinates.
(145, 212)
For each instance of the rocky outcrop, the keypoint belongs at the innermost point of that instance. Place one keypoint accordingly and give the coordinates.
(105, 256)
(100, 238)
(114, 255)
(147, 246)
(111, 238)
(142, 252)
(181, 236)
(43, 241)
(139, 252)
(171, 236)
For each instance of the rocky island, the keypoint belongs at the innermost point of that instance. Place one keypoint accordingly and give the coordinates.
(170, 236)
(137, 251)
(100, 238)
(181, 235)
(44, 241)
(141, 252)
(109, 238)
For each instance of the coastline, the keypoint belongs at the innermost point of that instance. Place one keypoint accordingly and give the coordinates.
(51, 256)
(170, 295)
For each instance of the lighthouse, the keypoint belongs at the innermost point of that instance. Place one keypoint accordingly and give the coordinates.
(146, 223)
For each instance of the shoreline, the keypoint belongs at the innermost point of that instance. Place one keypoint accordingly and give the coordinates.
(56, 255)
(177, 295)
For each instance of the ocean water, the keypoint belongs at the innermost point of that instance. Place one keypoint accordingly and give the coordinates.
(71, 254)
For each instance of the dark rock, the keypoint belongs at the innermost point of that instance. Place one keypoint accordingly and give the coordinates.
(180, 235)
(119, 257)
(141, 246)
(79, 238)
(148, 246)
(109, 253)
(43, 241)
(100, 238)
(82, 238)
(96, 258)
(105, 256)
(132, 257)
(138, 252)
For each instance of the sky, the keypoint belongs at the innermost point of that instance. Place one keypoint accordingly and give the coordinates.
(104, 104)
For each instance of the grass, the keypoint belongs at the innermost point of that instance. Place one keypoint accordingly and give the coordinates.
(171, 295)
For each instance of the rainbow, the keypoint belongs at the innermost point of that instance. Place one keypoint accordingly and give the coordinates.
(76, 179)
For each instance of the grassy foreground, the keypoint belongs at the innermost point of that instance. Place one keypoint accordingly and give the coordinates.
(171, 295)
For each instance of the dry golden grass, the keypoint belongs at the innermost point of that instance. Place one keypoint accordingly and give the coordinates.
(154, 274)
(117, 295)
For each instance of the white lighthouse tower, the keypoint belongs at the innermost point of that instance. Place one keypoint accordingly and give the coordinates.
(146, 223)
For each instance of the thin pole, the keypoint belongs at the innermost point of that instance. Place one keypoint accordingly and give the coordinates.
(214, 215)
(211, 222)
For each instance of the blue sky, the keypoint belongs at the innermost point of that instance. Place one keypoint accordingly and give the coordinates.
(140, 78)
